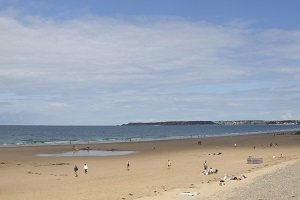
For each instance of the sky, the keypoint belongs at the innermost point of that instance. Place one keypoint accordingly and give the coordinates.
(109, 62)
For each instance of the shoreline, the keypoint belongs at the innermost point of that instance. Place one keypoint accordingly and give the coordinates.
(148, 175)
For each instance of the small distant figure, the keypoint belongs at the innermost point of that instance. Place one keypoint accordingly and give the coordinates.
(169, 164)
(199, 142)
(254, 147)
(75, 170)
(85, 167)
(128, 165)
(205, 165)
(271, 144)
(235, 146)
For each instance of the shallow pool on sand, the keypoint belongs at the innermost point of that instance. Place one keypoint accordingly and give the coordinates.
(87, 153)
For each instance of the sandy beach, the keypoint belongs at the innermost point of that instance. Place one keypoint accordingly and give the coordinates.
(27, 176)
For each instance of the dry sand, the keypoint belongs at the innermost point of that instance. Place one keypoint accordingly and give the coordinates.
(26, 176)
(273, 183)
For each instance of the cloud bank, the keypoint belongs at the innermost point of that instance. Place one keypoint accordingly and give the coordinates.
(100, 70)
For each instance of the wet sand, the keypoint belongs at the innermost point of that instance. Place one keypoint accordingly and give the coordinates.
(27, 176)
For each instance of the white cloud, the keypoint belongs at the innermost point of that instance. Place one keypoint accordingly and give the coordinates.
(97, 64)
(111, 50)
(291, 71)
(280, 44)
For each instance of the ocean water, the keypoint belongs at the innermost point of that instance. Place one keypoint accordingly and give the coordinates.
(11, 136)
(89, 153)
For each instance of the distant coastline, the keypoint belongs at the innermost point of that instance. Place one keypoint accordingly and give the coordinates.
(238, 122)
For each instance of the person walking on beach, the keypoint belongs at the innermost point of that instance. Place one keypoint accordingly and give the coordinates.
(169, 164)
(85, 167)
(235, 146)
(75, 170)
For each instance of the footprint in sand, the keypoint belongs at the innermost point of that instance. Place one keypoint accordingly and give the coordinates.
(163, 188)
(59, 174)
(29, 172)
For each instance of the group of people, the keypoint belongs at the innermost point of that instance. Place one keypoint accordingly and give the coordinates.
(85, 167)
(209, 171)
(128, 165)
(206, 171)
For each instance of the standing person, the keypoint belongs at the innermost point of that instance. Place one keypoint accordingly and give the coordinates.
(235, 146)
(169, 163)
(75, 170)
(205, 165)
(85, 167)
(128, 165)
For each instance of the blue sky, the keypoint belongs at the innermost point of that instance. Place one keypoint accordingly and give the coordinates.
(112, 62)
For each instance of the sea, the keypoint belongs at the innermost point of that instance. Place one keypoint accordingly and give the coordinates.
(17, 136)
